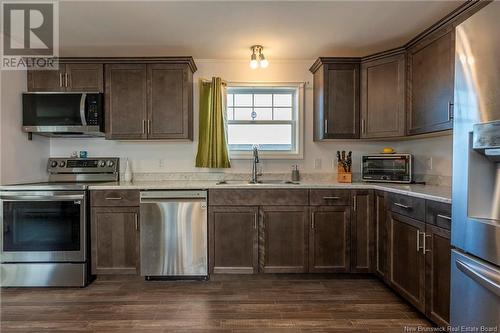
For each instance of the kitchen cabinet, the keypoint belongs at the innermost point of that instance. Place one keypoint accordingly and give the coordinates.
(336, 98)
(233, 242)
(149, 101)
(115, 240)
(362, 232)
(431, 83)
(406, 258)
(126, 101)
(381, 233)
(437, 278)
(76, 77)
(383, 94)
(329, 241)
(283, 239)
(170, 98)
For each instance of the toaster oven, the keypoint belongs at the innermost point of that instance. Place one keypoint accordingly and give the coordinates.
(393, 168)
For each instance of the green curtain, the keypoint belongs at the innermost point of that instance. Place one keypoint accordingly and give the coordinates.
(212, 145)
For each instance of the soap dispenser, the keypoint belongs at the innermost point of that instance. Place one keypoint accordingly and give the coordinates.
(295, 173)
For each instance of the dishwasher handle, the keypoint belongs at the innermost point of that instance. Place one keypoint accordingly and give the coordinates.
(172, 195)
(159, 200)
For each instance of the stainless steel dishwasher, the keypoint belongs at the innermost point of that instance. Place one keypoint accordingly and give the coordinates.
(173, 241)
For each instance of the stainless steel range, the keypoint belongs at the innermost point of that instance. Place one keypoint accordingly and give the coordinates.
(45, 227)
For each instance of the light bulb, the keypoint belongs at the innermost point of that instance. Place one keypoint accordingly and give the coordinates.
(253, 61)
(264, 63)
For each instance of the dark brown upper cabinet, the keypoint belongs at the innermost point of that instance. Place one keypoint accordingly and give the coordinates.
(431, 83)
(126, 101)
(383, 96)
(149, 101)
(336, 98)
(77, 77)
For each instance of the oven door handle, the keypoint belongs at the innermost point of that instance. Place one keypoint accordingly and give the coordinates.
(82, 109)
(42, 197)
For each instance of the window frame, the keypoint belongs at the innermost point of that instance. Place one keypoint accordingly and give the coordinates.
(297, 121)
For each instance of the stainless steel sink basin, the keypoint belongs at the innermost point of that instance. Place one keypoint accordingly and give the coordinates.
(260, 182)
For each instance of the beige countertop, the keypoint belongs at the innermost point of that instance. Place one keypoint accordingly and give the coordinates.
(431, 192)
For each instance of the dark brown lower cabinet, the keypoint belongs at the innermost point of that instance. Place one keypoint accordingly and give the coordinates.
(437, 277)
(233, 239)
(283, 238)
(407, 260)
(329, 239)
(115, 240)
(362, 232)
(381, 232)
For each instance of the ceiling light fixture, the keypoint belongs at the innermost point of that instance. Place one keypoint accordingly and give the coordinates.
(258, 59)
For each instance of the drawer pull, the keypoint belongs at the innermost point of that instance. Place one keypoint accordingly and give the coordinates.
(332, 198)
(114, 198)
(444, 217)
(401, 205)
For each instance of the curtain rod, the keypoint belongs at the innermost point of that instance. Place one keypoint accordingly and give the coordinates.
(204, 80)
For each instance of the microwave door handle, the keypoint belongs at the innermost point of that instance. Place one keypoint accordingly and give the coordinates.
(82, 109)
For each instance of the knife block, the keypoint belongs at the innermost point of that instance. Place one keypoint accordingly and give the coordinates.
(343, 176)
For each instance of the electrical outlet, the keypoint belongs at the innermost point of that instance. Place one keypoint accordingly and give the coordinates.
(429, 163)
(317, 163)
(162, 163)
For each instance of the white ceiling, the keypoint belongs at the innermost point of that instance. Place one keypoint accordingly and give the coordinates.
(226, 29)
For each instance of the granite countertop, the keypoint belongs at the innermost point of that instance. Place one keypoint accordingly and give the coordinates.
(431, 192)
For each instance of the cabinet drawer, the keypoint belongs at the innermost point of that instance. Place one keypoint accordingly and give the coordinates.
(258, 197)
(330, 197)
(438, 214)
(407, 206)
(113, 198)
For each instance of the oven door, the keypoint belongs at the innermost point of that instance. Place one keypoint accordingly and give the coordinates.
(43, 226)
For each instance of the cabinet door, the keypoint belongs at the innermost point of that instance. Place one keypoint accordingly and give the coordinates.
(383, 97)
(381, 235)
(362, 232)
(115, 240)
(233, 240)
(341, 118)
(85, 77)
(169, 102)
(125, 101)
(407, 262)
(431, 78)
(283, 238)
(329, 240)
(438, 266)
(50, 80)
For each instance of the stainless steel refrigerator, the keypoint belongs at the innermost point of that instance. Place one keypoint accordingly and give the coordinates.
(475, 272)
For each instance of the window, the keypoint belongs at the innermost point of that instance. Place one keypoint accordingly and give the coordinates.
(269, 116)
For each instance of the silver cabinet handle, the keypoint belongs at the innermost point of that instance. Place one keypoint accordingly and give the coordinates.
(484, 277)
(418, 241)
(255, 222)
(331, 198)
(355, 202)
(363, 129)
(60, 80)
(401, 205)
(66, 79)
(149, 126)
(136, 223)
(313, 225)
(326, 125)
(444, 217)
(114, 198)
(425, 243)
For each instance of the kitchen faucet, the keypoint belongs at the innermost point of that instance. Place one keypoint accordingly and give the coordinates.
(255, 173)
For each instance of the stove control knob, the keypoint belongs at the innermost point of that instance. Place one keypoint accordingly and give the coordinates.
(102, 164)
(111, 164)
(62, 164)
(53, 164)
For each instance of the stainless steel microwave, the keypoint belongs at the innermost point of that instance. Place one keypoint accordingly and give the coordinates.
(68, 114)
(393, 168)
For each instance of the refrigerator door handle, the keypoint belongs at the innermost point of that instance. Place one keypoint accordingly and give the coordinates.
(484, 277)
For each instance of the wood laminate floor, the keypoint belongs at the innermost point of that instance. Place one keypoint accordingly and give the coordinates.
(229, 304)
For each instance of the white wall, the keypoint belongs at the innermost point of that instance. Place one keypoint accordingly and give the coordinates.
(20, 160)
(180, 156)
(24, 161)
